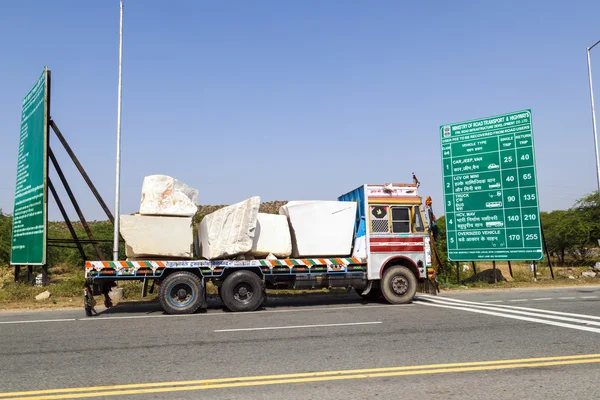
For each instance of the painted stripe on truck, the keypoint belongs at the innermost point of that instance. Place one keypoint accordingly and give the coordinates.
(396, 249)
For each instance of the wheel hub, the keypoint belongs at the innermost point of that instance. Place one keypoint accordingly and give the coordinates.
(182, 294)
(399, 285)
(243, 292)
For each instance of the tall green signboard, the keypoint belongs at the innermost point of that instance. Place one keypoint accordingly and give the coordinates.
(490, 189)
(30, 211)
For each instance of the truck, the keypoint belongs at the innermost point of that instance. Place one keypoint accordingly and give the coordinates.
(391, 257)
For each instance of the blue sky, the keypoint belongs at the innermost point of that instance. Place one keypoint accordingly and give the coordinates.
(297, 100)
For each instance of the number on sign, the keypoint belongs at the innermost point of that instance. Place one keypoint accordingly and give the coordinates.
(511, 198)
(514, 237)
(526, 176)
(529, 217)
(529, 197)
(525, 157)
(508, 159)
(510, 178)
(513, 218)
(531, 236)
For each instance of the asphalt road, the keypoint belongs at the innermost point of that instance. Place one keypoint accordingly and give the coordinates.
(534, 344)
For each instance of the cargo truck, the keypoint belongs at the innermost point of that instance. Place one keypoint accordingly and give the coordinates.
(391, 255)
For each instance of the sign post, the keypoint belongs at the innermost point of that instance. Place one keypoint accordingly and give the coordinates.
(31, 204)
(490, 189)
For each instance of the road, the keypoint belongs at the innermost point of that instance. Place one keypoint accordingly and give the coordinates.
(534, 344)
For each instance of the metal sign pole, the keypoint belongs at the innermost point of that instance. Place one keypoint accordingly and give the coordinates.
(118, 169)
(593, 113)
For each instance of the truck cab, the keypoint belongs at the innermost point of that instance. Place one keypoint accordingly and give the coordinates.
(390, 230)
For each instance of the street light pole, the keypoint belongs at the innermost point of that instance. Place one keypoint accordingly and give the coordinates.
(118, 169)
(594, 113)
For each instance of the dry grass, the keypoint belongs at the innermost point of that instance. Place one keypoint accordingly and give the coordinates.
(66, 285)
(523, 277)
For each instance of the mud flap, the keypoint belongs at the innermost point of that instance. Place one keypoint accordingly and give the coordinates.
(368, 288)
(428, 286)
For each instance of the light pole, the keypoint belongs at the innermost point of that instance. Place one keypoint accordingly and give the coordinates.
(118, 169)
(593, 113)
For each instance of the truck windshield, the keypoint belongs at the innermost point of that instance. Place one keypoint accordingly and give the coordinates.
(400, 220)
(418, 220)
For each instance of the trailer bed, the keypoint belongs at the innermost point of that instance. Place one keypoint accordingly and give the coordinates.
(215, 269)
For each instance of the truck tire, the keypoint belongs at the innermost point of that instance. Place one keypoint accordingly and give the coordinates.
(181, 293)
(242, 291)
(398, 285)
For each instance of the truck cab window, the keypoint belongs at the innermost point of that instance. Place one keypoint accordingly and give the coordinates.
(380, 219)
(418, 219)
(400, 220)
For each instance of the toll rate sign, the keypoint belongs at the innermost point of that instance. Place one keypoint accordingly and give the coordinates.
(490, 189)
(30, 213)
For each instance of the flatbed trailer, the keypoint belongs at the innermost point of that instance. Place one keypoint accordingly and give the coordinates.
(391, 255)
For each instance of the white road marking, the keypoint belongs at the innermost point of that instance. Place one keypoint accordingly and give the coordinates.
(494, 301)
(503, 315)
(297, 326)
(310, 309)
(567, 298)
(542, 298)
(519, 300)
(38, 320)
(513, 311)
(501, 306)
(588, 297)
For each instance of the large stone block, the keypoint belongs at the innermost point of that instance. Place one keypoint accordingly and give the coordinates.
(272, 236)
(320, 228)
(230, 231)
(163, 195)
(154, 236)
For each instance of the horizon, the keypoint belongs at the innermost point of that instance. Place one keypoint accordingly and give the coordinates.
(296, 101)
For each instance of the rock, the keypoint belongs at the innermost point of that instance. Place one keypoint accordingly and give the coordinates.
(116, 293)
(229, 231)
(154, 236)
(571, 277)
(321, 228)
(465, 268)
(43, 296)
(596, 267)
(272, 236)
(588, 274)
(486, 276)
(163, 195)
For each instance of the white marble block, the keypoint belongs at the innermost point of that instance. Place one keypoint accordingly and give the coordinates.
(229, 231)
(154, 236)
(164, 195)
(321, 228)
(272, 236)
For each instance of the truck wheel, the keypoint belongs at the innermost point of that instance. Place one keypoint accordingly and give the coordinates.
(398, 285)
(181, 293)
(374, 294)
(242, 291)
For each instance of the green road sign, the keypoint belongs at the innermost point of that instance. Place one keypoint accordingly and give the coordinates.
(490, 189)
(29, 216)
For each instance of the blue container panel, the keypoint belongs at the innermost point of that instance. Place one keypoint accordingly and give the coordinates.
(358, 196)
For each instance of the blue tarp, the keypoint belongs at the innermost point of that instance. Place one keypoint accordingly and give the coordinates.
(357, 195)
